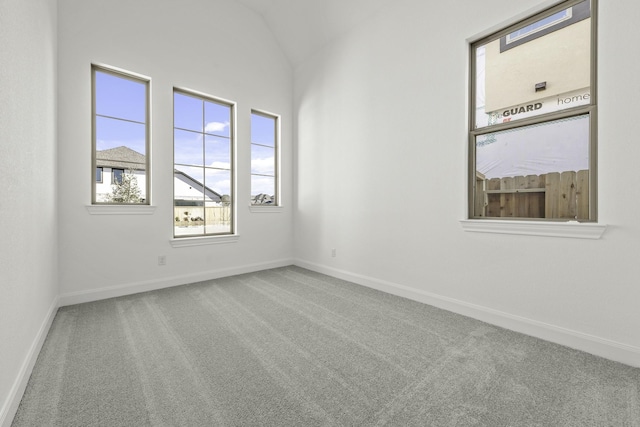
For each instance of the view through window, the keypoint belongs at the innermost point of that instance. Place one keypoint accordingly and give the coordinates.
(120, 138)
(264, 149)
(203, 159)
(532, 137)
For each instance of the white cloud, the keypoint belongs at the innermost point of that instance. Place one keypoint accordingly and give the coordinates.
(217, 179)
(216, 126)
(223, 187)
(263, 166)
(262, 185)
(220, 165)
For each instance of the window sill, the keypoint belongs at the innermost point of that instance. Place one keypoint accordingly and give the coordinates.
(121, 209)
(265, 209)
(571, 229)
(185, 242)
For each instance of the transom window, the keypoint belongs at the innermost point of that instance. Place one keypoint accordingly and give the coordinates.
(532, 139)
(540, 25)
(203, 187)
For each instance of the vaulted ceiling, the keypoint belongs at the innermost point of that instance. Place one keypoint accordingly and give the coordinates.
(302, 27)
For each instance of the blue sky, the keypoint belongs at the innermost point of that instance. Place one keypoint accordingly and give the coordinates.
(120, 106)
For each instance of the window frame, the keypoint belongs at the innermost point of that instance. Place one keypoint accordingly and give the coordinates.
(588, 109)
(232, 172)
(276, 159)
(138, 78)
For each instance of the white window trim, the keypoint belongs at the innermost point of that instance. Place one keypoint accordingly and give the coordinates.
(184, 242)
(265, 209)
(570, 229)
(131, 209)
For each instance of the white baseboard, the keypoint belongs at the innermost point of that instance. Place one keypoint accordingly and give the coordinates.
(80, 297)
(602, 347)
(10, 406)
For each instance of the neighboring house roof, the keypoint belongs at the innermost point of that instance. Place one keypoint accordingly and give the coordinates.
(197, 185)
(120, 158)
(262, 199)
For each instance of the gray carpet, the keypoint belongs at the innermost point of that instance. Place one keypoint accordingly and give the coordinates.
(289, 347)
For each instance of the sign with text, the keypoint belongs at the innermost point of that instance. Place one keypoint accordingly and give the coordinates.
(535, 108)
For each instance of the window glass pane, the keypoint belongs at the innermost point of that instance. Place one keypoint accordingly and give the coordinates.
(263, 130)
(263, 160)
(537, 171)
(188, 148)
(189, 199)
(98, 174)
(217, 152)
(217, 119)
(112, 133)
(188, 184)
(546, 74)
(120, 97)
(218, 181)
(188, 112)
(263, 190)
(219, 202)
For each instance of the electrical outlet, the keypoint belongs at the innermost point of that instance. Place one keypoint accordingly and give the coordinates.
(333, 252)
(162, 260)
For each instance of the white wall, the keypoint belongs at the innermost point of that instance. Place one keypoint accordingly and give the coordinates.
(28, 206)
(381, 166)
(216, 47)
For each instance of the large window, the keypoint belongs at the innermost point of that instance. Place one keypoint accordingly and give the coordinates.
(203, 185)
(264, 159)
(532, 139)
(120, 138)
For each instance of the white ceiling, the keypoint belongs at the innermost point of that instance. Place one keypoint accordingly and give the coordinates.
(302, 27)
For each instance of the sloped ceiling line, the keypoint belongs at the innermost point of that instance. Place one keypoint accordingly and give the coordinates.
(302, 27)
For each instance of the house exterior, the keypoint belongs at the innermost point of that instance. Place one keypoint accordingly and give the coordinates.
(112, 163)
(554, 54)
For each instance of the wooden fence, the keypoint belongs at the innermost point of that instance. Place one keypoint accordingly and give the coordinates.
(186, 216)
(560, 195)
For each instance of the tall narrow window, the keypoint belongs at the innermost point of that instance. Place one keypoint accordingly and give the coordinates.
(120, 138)
(203, 185)
(532, 139)
(264, 159)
